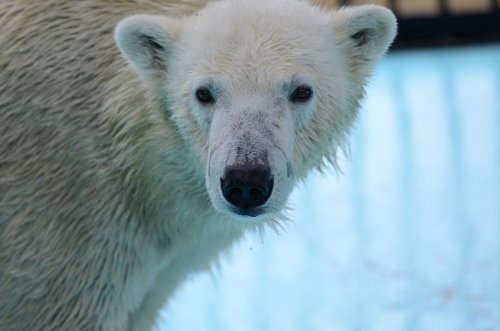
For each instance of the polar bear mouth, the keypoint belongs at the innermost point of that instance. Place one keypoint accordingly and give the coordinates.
(249, 212)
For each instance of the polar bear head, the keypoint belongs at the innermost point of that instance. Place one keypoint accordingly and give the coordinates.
(262, 91)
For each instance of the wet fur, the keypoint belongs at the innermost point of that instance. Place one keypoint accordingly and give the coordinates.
(104, 209)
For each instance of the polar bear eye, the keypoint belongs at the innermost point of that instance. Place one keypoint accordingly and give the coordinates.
(301, 94)
(204, 96)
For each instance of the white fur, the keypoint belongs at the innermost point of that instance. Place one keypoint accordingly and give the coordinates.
(110, 173)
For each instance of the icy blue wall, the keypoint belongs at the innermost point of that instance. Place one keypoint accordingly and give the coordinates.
(408, 239)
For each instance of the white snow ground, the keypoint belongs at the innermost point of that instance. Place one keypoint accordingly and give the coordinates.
(407, 239)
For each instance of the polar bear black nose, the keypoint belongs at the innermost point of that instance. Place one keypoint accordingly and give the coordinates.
(246, 186)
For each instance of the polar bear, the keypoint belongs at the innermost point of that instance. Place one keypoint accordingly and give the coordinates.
(140, 139)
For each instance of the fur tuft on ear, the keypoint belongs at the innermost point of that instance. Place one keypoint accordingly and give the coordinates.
(366, 31)
(146, 42)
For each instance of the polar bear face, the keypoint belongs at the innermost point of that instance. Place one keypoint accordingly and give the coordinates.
(262, 91)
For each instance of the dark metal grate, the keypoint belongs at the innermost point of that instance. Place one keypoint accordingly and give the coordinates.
(439, 22)
(448, 27)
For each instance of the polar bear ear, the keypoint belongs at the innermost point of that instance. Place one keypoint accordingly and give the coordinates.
(146, 41)
(366, 32)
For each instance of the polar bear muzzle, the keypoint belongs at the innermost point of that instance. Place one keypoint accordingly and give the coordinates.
(249, 168)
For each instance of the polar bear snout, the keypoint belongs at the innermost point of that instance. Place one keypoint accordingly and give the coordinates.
(249, 173)
(247, 187)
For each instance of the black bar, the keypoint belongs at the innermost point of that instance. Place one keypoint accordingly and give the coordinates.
(448, 29)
